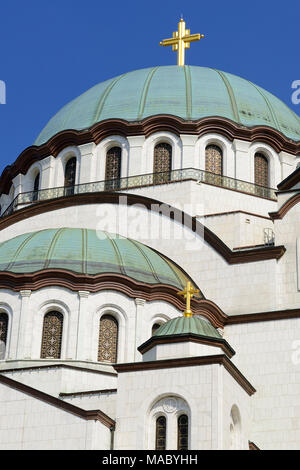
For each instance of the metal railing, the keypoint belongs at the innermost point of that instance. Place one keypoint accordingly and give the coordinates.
(140, 181)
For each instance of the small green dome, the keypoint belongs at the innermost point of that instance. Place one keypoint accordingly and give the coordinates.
(88, 252)
(189, 92)
(196, 325)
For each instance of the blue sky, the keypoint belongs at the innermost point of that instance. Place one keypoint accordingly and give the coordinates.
(52, 51)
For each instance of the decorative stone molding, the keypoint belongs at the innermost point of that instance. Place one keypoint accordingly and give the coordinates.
(189, 337)
(150, 125)
(83, 294)
(25, 293)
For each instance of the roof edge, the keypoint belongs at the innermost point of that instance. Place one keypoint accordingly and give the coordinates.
(88, 415)
(157, 123)
(186, 337)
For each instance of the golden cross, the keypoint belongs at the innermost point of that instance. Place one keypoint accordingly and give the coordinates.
(181, 40)
(188, 293)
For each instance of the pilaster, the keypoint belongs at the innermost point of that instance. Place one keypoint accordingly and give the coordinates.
(24, 327)
(242, 161)
(140, 305)
(47, 176)
(287, 164)
(18, 184)
(87, 168)
(81, 325)
(136, 144)
(188, 150)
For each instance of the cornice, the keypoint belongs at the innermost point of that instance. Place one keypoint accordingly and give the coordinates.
(134, 289)
(109, 281)
(253, 446)
(217, 214)
(286, 207)
(290, 180)
(186, 337)
(146, 127)
(89, 392)
(56, 366)
(96, 415)
(262, 316)
(154, 205)
(189, 362)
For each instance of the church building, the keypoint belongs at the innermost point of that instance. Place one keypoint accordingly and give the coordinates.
(150, 268)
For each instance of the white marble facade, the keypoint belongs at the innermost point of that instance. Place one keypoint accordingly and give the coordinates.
(222, 415)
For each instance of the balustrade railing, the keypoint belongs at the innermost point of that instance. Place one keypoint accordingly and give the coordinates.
(140, 181)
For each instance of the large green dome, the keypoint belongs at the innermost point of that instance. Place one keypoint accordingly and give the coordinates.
(188, 92)
(88, 252)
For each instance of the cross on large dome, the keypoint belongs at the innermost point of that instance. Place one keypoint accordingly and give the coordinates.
(189, 92)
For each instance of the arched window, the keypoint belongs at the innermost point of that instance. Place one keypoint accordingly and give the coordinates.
(183, 432)
(155, 327)
(261, 170)
(108, 339)
(214, 159)
(3, 334)
(161, 433)
(70, 176)
(36, 187)
(52, 335)
(113, 168)
(162, 163)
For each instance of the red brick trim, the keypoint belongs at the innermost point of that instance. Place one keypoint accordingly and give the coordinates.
(253, 446)
(231, 257)
(235, 212)
(263, 316)
(159, 123)
(286, 207)
(180, 338)
(89, 392)
(290, 180)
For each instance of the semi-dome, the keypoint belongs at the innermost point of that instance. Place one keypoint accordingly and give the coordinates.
(88, 252)
(189, 92)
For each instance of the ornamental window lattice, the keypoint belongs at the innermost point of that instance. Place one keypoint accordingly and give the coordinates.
(3, 333)
(162, 162)
(261, 170)
(52, 335)
(161, 432)
(214, 159)
(113, 168)
(183, 436)
(108, 339)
